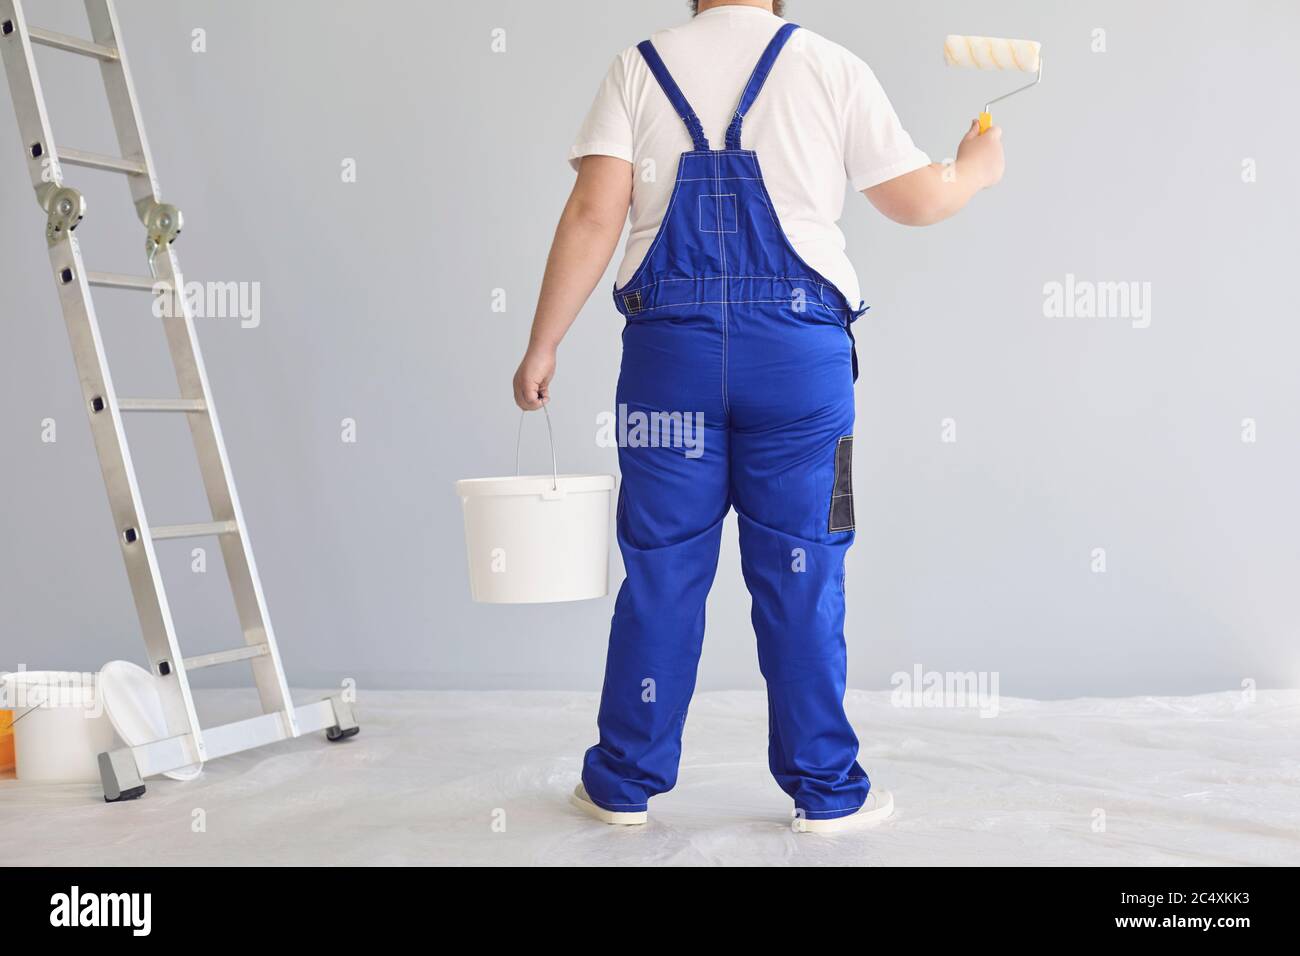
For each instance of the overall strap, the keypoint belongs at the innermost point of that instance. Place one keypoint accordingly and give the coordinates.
(756, 82)
(674, 94)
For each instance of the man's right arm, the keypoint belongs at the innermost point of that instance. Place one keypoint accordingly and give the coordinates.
(584, 243)
(935, 192)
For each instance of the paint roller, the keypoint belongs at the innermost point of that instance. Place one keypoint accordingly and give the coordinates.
(995, 53)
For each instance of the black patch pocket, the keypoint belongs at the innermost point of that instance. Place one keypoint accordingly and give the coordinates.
(842, 494)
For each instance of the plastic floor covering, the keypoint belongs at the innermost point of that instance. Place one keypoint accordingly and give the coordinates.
(484, 778)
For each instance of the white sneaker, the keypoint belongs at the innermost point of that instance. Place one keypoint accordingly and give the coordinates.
(878, 807)
(618, 818)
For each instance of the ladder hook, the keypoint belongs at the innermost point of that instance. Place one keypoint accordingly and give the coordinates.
(64, 208)
(162, 223)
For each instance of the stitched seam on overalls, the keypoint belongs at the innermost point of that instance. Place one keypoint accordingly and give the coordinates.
(679, 305)
(659, 235)
(821, 287)
(771, 211)
(698, 278)
(722, 251)
(813, 813)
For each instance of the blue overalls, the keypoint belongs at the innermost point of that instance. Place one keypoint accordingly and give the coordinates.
(728, 325)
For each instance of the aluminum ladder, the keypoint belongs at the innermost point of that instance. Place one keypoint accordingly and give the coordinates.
(186, 743)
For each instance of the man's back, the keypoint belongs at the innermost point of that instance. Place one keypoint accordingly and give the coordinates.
(822, 120)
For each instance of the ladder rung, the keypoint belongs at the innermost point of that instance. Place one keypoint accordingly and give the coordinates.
(115, 280)
(226, 657)
(162, 405)
(167, 531)
(61, 41)
(79, 157)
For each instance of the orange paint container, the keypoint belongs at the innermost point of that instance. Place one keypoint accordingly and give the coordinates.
(6, 740)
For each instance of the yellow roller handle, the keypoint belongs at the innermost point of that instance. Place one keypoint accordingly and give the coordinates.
(986, 120)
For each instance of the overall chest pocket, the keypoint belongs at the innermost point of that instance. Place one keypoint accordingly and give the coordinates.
(717, 212)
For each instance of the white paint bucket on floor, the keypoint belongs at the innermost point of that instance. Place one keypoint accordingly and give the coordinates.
(537, 538)
(60, 727)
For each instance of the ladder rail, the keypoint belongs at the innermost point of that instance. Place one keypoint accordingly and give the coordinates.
(223, 500)
(125, 501)
(28, 99)
(122, 103)
(173, 754)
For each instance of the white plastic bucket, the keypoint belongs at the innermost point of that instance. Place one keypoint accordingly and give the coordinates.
(537, 538)
(60, 728)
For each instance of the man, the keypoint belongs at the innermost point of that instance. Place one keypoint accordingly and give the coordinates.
(738, 300)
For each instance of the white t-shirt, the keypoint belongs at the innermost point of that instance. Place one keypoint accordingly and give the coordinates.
(821, 120)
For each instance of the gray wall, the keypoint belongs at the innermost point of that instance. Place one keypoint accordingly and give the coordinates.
(1072, 433)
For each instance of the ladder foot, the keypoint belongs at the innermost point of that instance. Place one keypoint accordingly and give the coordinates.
(345, 720)
(120, 775)
(135, 793)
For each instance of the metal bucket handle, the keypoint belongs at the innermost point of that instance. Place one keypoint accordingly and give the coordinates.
(555, 471)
